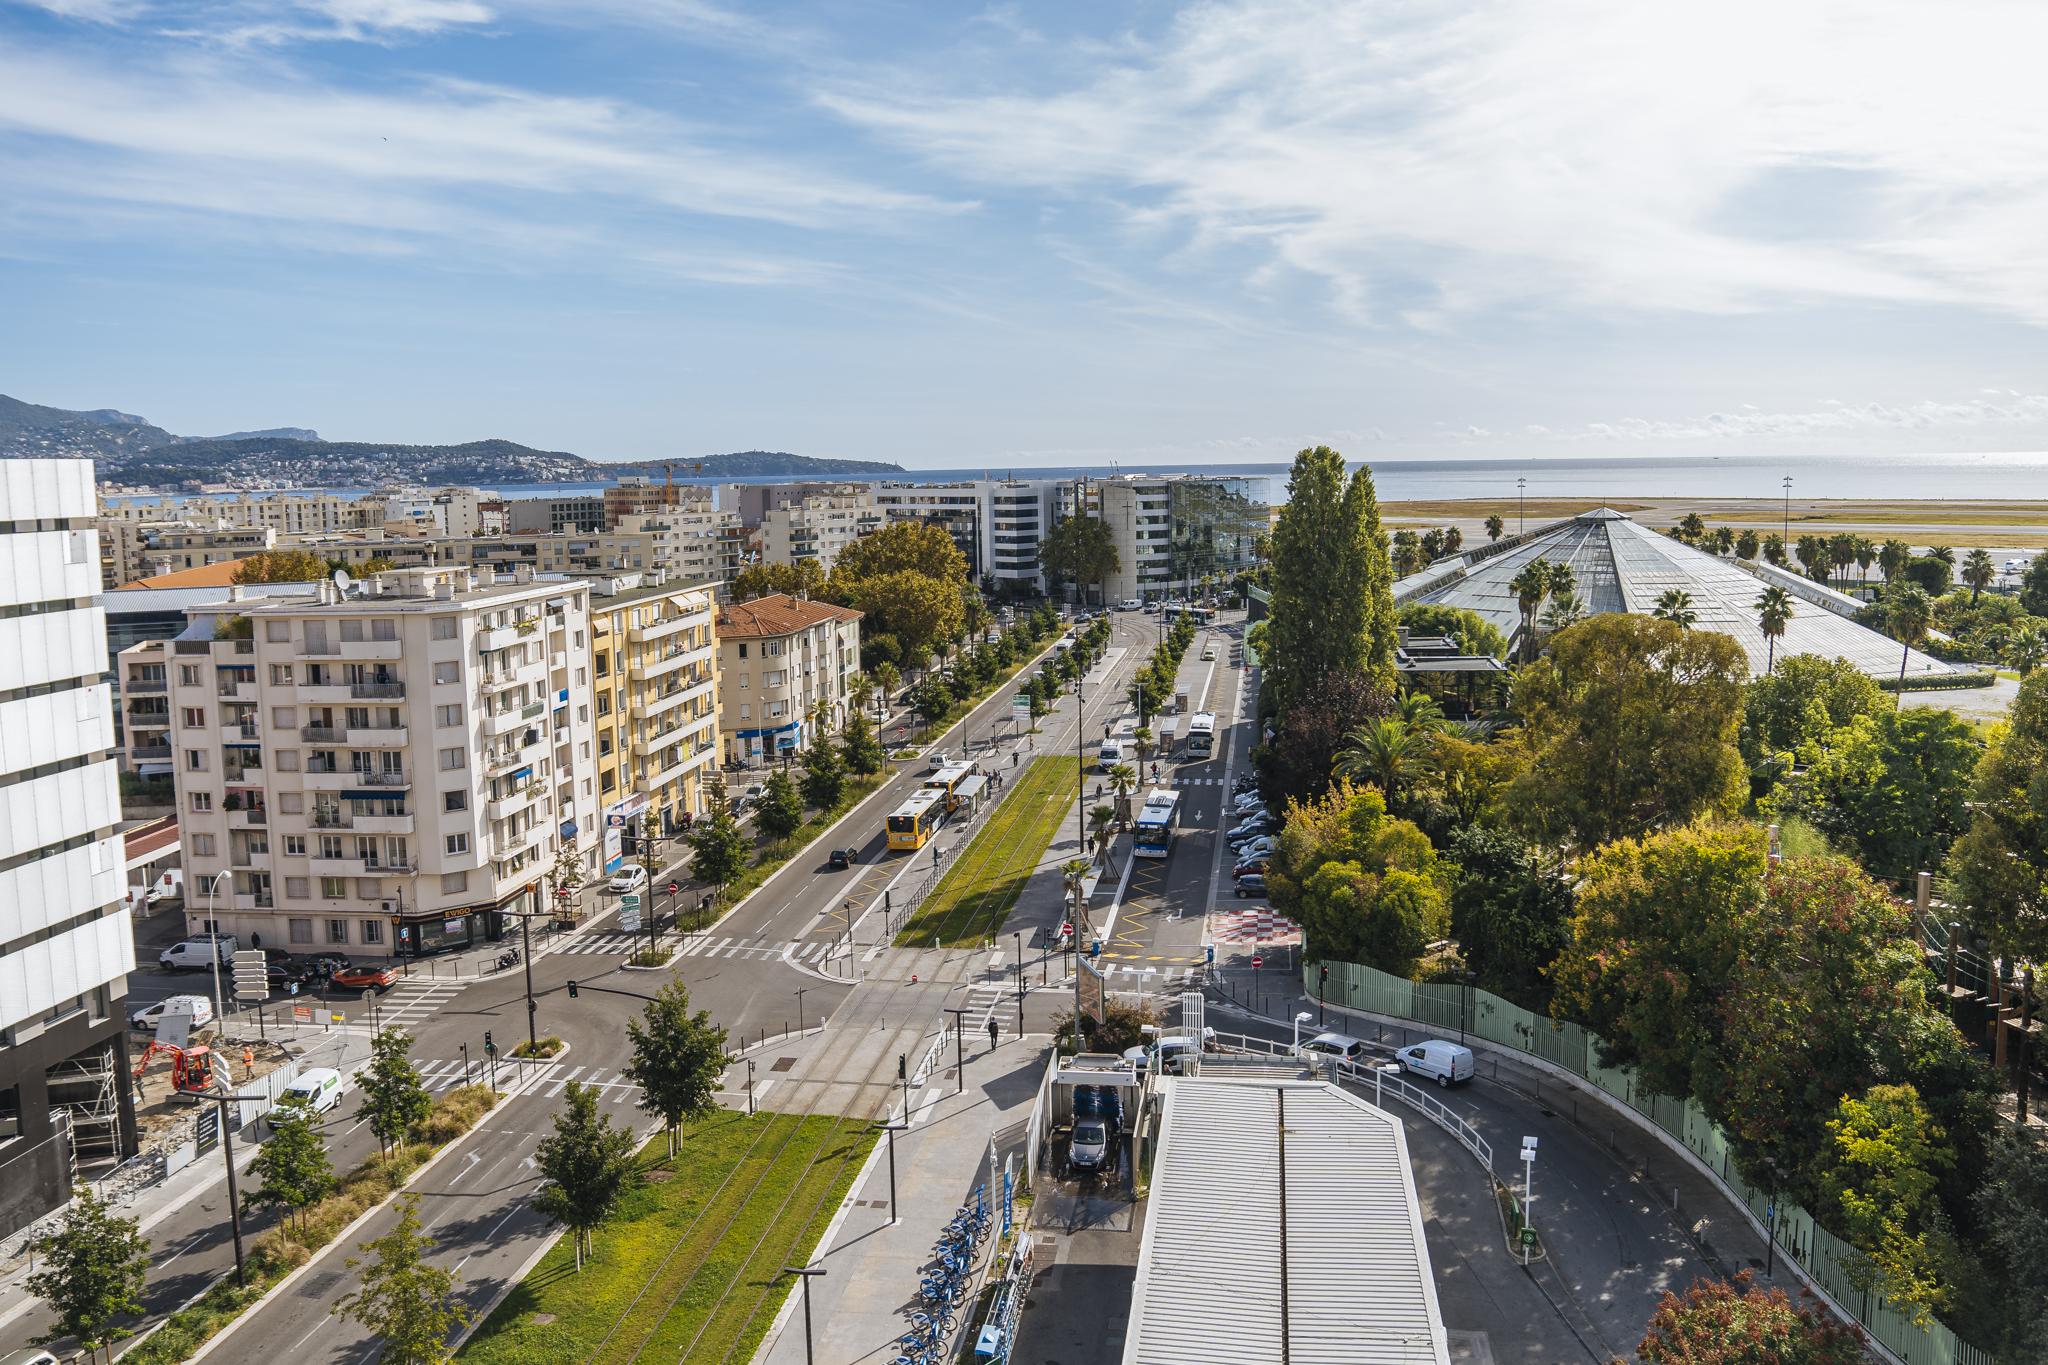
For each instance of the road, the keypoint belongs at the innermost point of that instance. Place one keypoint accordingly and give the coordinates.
(758, 972)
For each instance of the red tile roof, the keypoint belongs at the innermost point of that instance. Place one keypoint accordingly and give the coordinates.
(777, 614)
(198, 576)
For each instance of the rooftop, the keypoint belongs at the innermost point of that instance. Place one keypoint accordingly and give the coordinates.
(778, 614)
(1625, 567)
(198, 576)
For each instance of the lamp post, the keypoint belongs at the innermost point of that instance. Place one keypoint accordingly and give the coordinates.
(1528, 1198)
(1465, 980)
(220, 1017)
(892, 1129)
(960, 1046)
(800, 993)
(1299, 1020)
(805, 1272)
(1521, 506)
(1017, 966)
(1786, 534)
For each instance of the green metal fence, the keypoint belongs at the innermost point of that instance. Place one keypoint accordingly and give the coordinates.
(1823, 1256)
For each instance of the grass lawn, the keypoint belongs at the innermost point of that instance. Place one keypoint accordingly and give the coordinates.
(972, 899)
(687, 1269)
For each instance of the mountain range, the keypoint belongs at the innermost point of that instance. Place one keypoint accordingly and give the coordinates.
(133, 451)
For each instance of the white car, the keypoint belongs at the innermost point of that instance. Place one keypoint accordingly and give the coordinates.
(1208, 653)
(317, 1090)
(149, 1016)
(629, 878)
(937, 759)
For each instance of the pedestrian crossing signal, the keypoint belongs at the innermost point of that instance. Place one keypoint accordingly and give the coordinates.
(572, 990)
(490, 1048)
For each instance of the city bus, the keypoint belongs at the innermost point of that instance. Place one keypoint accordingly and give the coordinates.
(1156, 822)
(1201, 740)
(912, 824)
(948, 779)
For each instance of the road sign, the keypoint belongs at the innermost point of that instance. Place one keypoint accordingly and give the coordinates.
(252, 982)
(675, 888)
(302, 1014)
(1020, 708)
(629, 913)
(1258, 961)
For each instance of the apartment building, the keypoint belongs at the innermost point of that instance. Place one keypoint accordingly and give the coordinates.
(654, 668)
(804, 521)
(1173, 532)
(65, 945)
(390, 773)
(554, 516)
(690, 542)
(781, 659)
(143, 549)
(997, 523)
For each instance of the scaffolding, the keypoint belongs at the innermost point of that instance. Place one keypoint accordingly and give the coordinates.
(86, 1086)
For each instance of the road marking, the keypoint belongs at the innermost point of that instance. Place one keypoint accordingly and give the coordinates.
(761, 1088)
(874, 952)
(185, 1248)
(995, 960)
(924, 1101)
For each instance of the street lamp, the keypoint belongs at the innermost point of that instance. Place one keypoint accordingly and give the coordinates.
(1528, 1198)
(1017, 965)
(959, 1014)
(892, 1129)
(801, 992)
(1299, 1020)
(805, 1272)
(1465, 978)
(220, 1018)
(1380, 1072)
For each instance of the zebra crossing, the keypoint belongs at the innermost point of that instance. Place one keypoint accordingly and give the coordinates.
(413, 999)
(694, 945)
(550, 1079)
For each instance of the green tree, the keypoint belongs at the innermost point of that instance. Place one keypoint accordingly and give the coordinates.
(1630, 724)
(1746, 544)
(1656, 933)
(1732, 1322)
(585, 1165)
(1080, 550)
(1723, 539)
(2025, 650)
(1387, 752)
(405, 1302)
(1773, 611)
(1494, 526)
(94, 1265)
(2012, 1209)
(1932, 576)
(1907, 614)
(1879, 1181)
(781, 812)
(1892, 558)
(916, 547)
(1979, 572)
(1802, 702)
(718, 849)
(1332, 608)
(824, 775)
(393, 1097)
(1774, 549)
(1841, 552)
(1365, 886)
(293, 1165)
(860, 748)
(887, 680)
(801, 579)
(281, 566)
(1473, 632)
(1511, 917)
(677, 1060)
(916, 608)
(2034, 586)
(931, 698)
(1892, 786)
(1999, 868)
(1530, 587)
(1675, 605)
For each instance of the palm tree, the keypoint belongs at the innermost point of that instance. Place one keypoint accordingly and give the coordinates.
(1676, 605)
(1123, 780)
(1866, 555)
(1566, 608)
(1908, 612)
(1746, 544)
(886, 678)
(1979, 572)
(1432, 545)
(1943, 553)
(1385, 751)
(1773, 610)
(1420, 712)
(1530, 587)
(1724, 539)
(1893, 557)
(1842, 551)
(1774, 549)
(858, 689)
(1691, 527)
(1099, 818)
(2025, 650)
(1454, 540)
(1813, 557)
(1494, 527)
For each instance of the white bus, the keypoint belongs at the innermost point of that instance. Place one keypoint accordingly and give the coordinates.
(1201, 740)
(1156, 822)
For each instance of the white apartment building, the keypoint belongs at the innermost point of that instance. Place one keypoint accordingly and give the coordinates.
(816, 525)
(997, 523)
(388, 774)
(65, 945)
(781, 659)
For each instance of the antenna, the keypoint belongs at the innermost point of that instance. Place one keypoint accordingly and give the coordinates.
(342, 582)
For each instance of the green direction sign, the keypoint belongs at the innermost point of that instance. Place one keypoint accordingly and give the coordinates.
(629, 913)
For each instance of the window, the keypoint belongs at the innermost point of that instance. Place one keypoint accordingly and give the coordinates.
(453, 882)
(451, 759)
(746, 681)
(330, 846)
(291, 803)
(746, 711)
(277, 632)
(352, 631)
(195, 718)
(333, 888)
(457, 843)
(202, 803)
(368, 888)
(295, 847)
(188, 675)
(195, 761)
(743, 649)
(337, 931)
(455, 800)
(775, 678)
(444, 628)
(284, 717)
(287, 760)
(383, 629)
(447, 672)
(373, 931)
(301, 930)
(202, 845)
(448, 715)
(281, 675)
(10, 1113)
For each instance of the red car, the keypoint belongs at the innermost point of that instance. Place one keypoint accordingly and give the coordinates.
(366, 977)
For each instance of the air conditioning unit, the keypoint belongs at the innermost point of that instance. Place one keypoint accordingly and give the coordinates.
(388, 907)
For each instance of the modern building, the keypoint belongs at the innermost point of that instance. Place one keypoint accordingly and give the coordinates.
(65, 945)
(654, 671)
(390, 773)
(780, 660)
(553, 516)
(1621, 566)
(1172, 533)
(817, 525)
(693, 541)
(997, 523)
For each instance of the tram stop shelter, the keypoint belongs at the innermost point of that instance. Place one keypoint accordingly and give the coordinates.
(1298, 1196)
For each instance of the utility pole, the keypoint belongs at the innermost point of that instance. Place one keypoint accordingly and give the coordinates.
(526, 959)
(1017, 966)
(1521, 506)
(652, 863)
(1786, 535)
(959, 1047)
(892, 1129)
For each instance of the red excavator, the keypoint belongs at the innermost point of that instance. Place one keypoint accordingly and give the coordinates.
(191, 1067)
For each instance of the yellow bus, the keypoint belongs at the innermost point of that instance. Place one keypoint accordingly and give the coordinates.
(916, 820)
(948, 780)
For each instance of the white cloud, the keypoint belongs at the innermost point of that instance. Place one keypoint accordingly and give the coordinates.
(1604, 153)
(1833, 419)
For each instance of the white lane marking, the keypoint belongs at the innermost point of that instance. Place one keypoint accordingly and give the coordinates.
(925, 1101)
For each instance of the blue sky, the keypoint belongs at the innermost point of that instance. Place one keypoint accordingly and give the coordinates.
(1009, 235)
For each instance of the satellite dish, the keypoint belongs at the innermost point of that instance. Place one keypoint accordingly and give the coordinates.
(342, 581)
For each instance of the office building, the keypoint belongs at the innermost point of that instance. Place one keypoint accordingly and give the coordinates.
(554, 516)
(390, 773)
(997, 523)
(65, 945)
(1174, 533)
(786, 666)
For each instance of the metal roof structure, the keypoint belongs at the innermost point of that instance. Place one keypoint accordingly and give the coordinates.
(1622, 566)
(1282, 1226)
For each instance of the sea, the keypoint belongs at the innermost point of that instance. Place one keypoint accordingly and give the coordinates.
(1972, 476)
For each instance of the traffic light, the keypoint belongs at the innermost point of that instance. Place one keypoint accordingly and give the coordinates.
(490, 1048)
(572, 990)
(1323, 974)
(902, 1066)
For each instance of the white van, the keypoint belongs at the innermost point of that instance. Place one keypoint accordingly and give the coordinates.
(198, 954)
(316, 1090)
(1447, 1062)
(198, 1007)
(1110, 754)
(1336, 1046)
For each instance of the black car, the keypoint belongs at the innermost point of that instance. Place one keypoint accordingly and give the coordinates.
(283, 974)
(317, 966)
(843, 857)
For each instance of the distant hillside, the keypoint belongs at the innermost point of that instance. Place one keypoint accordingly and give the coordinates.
(129, 450)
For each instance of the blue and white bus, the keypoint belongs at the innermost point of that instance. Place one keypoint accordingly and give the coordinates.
(1201, 740)
(1156, 822)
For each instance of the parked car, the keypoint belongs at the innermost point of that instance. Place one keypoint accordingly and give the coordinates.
(1251, 884)
(1448, 1062)
(1098, 1114)
(318, 966)
(149, 1016)
(1250, 830)
(1130, 604)
(366, 976)
(170, 886)
(843, 858)
(1340, 1046)
(317, 1090)
(1247, 803)
(198, 954)
(1246, 866)
(285, 975)
(631, 877)
(29, 1356)
(1256, 848)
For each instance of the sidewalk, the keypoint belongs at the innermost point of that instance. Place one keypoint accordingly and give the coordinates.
(862, 1303)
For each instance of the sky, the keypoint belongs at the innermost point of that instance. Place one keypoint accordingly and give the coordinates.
(959, 235)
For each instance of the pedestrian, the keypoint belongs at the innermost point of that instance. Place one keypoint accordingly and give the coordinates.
(1013, 759)
(992, 1027)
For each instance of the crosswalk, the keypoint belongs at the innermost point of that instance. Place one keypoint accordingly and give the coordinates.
(550, 1079)
(413, 999)
(695, 945)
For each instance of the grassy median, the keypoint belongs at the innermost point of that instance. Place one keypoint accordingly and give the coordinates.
(689, 1267)
(975, 896)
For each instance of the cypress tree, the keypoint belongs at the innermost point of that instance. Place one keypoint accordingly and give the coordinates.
(1333, 606)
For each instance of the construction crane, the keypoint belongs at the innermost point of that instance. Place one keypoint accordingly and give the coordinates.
(669, 483)
(191, 1067)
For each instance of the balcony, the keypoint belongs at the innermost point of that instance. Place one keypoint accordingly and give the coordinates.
(382, 824)
(320, 734)
(377, 691)
(507, 806)
(244, 733)
(333, 819)
(358, 867)
(671, 660)
(687, 692)
(236, 691)
(686, 762)
(351, 779)
(150, 753)
(356, 649)
(249, 817)
(669, 625)
(141, 687)
(377, 736)
(248, 900)
(504, 637)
